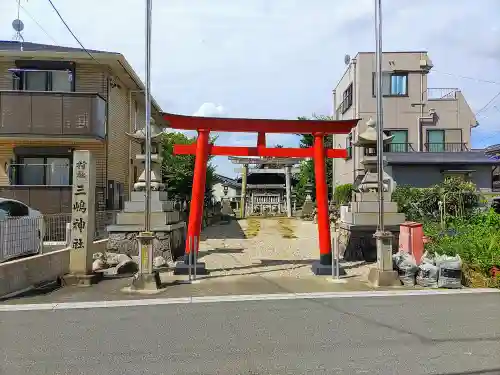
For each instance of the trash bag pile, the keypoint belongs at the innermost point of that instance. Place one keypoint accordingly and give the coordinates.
(434, 271)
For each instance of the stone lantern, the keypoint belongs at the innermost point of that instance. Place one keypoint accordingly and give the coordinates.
(360, 218)
(140, 137)
(166, 221)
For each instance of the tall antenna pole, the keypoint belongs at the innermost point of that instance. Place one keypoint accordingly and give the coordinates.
(147, 92)
(380, 117)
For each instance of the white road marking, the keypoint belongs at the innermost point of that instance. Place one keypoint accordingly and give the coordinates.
(238, 298)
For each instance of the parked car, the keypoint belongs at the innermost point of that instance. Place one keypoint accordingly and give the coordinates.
(21, 229)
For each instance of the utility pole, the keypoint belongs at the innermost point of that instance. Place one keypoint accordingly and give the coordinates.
(383, 274)
(147, 279)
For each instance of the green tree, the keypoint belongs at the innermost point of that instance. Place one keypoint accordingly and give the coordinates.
(178, 170)
(306, 174)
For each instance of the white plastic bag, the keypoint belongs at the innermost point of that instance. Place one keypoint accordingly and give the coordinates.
(450, 271)
(407, 268)
(427, 275)
(428, 258)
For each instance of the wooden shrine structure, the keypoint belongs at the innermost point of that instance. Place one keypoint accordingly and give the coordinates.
(202, 149)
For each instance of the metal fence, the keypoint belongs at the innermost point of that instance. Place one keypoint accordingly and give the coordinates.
(23, 236)
(55, 225)
(20, 236)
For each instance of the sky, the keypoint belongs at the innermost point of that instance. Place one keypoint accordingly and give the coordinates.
(279, 58)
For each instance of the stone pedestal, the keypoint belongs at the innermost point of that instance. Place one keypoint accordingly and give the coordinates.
(360, 221)
(356, 242)
(166, 224)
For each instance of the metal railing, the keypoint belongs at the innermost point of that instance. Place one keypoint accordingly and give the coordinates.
(442, 93)
(57, 173)
(55, 225)
(445, 147)
(20, 237)
(399, 147)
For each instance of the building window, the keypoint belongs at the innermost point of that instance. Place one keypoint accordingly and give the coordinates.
(348, 146)
(41, 80)
(435, 140)
(393, 84)
(41, 170)
(399, 143)
(347, 99)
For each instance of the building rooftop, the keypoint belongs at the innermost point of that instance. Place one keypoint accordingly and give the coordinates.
(8, 45)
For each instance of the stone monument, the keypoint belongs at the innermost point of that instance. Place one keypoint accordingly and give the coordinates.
(308, 207)
(82, 221)
(359, 221)
(166, 222)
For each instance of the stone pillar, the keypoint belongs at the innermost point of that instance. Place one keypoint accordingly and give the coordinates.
(288, 190)
(243, 191)
(83, 213)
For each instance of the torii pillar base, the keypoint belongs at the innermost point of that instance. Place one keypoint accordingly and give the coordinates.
(182, 268)
(325, 267)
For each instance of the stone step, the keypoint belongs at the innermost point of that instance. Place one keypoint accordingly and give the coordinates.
(364, 218)
(156, 206)
(371, 197)
(157, 218)
(389, 207)
(140, 196)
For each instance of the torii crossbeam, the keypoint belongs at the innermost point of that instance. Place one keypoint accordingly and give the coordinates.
(202, 149)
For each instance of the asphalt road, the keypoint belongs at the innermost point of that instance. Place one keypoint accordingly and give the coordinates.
(447, 334)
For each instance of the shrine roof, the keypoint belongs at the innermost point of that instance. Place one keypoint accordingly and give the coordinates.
(227, 180)
(281, 161)
(247, 125)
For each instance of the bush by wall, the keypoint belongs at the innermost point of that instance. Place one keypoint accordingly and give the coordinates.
(458, 198)
(343, 194)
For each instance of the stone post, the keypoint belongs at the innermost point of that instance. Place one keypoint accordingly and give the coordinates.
(82, 217)
(288, 190)
(244, 176)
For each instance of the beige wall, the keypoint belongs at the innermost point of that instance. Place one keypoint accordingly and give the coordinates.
(453, 113)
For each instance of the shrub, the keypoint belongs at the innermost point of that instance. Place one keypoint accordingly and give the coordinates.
(343, 194)
(458, 198)
(476, 240)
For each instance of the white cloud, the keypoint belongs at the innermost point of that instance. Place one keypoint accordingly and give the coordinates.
(210, 110)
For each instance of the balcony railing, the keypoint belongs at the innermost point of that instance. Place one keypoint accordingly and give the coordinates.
(445, 147)
(56, 114)
(442, 93)
(398, 147)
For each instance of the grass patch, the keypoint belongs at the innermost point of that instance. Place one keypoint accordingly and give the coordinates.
(285, 228)
(253, 228)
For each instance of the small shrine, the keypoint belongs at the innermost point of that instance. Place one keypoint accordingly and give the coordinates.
(359, 220)
(166, 221)
(266, 185)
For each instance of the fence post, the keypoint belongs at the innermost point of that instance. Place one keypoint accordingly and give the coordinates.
(68, 234)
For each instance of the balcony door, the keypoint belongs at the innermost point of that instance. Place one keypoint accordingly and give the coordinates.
(400, 141)
(435, 141)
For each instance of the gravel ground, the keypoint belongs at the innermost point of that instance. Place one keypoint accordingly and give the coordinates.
(227, 252)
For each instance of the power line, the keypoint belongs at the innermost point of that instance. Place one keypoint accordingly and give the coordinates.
(487, 104)
(37, 23)
(71, 32)
(478, 80)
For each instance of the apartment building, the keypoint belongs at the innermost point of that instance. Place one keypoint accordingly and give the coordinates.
(54, 100)
(431, 126)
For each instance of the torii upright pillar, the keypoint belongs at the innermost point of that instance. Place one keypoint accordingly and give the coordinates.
(196, 206)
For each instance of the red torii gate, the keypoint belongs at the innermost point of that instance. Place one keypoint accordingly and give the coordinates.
(202, 149)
